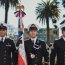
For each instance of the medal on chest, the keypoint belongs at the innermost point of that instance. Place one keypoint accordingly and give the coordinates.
(32, 55)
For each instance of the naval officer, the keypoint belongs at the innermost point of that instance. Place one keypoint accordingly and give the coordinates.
(7, 48)
(58, 50)
(35, 48)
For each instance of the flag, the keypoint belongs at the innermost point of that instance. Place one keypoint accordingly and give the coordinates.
(22, 13)
(20, 31)
(16, 13)
(20, 27)
(22, 60)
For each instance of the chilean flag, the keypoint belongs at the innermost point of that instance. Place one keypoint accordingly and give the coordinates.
(22, 55)
(22, 60)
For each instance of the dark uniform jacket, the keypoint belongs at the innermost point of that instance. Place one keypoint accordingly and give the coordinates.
(59, 51)
(36, 52)
(7, 52)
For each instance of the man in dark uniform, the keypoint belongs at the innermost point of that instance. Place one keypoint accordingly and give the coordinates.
(35, 48)
(7, 48)
(59, 49)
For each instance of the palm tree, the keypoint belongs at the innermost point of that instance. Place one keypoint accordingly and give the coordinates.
(6, 4)
(45, 11)
(63, 3)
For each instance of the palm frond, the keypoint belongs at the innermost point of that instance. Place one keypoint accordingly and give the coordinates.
(47, 9)
(11, 2)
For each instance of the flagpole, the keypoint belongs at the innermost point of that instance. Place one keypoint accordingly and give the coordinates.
(21, 51)
(21, 8)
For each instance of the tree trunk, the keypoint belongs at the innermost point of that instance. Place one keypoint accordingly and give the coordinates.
(48, 31)
(6, 12)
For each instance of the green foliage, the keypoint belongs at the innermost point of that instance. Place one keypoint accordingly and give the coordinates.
(47, 9)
